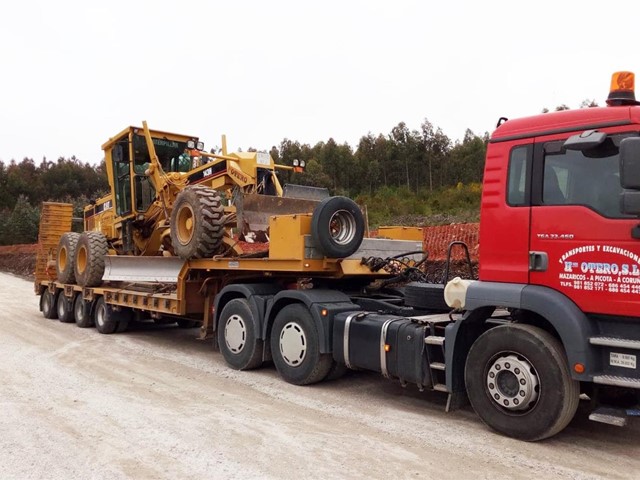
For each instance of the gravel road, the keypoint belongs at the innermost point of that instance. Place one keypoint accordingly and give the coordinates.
(155, 402)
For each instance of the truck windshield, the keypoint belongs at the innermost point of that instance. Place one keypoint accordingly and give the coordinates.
(168, 151)
(590, 178)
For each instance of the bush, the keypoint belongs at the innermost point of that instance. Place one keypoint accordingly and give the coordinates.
(401, 206)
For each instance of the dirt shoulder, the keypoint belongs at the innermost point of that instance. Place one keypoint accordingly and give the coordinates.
(154, 402)
(19, 260)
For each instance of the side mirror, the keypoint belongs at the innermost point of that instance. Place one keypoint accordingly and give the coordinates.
(630, 202)
(585, 141)
(630, 163)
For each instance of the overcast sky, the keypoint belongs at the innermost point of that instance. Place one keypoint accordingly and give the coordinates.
(75, 73)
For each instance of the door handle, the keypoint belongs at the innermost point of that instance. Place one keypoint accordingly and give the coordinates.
(538, 261)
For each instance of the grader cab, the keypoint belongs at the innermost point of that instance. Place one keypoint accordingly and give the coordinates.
(171, 198)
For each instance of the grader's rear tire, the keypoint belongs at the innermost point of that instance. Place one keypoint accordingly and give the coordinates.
(197, 222)
(66, 256)
(89, 263)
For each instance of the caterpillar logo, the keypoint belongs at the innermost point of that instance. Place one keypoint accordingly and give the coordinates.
(239, 175)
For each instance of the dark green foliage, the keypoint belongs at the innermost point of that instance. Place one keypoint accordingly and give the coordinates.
(401, 177)
(21, 225)
(415, 159)
(401, 206)
(25, 185)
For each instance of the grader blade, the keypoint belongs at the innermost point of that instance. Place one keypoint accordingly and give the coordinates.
(142, 269)
(254, 210)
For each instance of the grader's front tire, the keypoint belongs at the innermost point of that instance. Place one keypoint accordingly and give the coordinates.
(66, 256)
(197, 222)
(89, 263)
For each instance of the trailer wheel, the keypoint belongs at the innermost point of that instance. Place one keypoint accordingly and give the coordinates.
(295, 346)
(82, 312)
(197, 222)
(48, 302)
(337, 227)
(66, 256)
(237, 336)
(185, 323)
(65, 309)
(109, 320)
(89, 262)
(519, 383)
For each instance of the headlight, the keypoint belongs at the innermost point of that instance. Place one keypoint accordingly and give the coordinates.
(303, 163)
(296, 162)
(200, 146)
(191, 144)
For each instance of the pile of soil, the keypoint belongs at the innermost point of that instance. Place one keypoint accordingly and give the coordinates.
(19, 260)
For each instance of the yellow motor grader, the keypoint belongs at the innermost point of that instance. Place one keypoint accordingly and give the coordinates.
(170, 198)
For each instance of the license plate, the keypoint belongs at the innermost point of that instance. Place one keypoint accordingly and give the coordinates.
(622, 360)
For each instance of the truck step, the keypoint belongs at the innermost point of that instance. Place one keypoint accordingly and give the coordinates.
(437, 366)
(440, 387)
(617, 381)
(615, 342)
(434, 340)
(610, 416)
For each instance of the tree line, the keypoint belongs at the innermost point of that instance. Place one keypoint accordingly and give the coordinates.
(401, 173)
(413, 159)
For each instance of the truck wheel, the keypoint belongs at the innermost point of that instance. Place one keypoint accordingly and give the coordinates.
(65, 257)
(295, 346)
(48, 302)
(82, 312)
(518, 381)
(337, 227)
(109, 320)
(197, 222)
(237, 336)
(89, 263)
(65, 309)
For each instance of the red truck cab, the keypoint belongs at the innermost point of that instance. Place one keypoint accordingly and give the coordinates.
(551, 214)
(560, 254)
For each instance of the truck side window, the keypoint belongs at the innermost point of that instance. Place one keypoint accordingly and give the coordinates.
(590, 178)
(517, 182)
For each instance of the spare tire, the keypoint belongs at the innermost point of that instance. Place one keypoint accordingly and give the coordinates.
(337, 227)
(66, 257)
(197, 222)
(89, 263)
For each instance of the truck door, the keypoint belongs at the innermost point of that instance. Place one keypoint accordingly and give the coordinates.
(580, 242)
